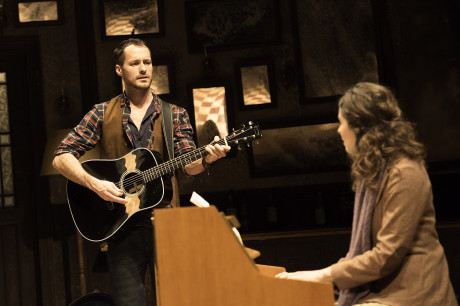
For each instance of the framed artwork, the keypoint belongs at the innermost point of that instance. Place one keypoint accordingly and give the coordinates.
(163, 78)
(256, 85)
(210, 110)
(127, 18)
(33, 13)
(335, 48)
(163, 84)
(298, 149)
(223, 24)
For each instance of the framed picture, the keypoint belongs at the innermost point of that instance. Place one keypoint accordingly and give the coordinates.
(210, 115)
(163, 84)
(163, 78)
(256, 86)
(223, 24)
(298, 149)
(335, 47)
(127, 18)
(33, 13)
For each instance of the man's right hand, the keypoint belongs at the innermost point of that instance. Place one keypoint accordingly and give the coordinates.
(107, 191)
(71, 168)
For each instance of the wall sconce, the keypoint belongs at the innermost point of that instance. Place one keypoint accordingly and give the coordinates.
(63, 105)
(208, 66)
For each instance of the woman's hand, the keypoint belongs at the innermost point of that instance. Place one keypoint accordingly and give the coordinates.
(323, 275)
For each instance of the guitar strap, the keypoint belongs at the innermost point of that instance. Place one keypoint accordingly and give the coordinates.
(167, 124)
(167, 127)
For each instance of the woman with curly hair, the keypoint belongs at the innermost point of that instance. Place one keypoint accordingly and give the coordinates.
(395, 257)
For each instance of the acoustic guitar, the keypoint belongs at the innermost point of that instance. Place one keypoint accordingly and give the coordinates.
(144, 179)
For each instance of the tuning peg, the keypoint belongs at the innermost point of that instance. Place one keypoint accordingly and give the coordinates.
(250, 123)
(239, 148)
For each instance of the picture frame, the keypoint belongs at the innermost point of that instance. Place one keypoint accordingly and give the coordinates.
(227, 24)
(335, 49)
(163, 78)
(121, 19)
(291, 150)
(38, 12)
(256, 84)
(210, 112)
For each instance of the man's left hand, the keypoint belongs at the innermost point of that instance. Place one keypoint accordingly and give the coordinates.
(215, 151)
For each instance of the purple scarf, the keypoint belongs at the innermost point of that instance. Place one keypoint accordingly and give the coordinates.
(361, 236)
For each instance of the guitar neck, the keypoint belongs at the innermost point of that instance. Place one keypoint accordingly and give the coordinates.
(178, 162)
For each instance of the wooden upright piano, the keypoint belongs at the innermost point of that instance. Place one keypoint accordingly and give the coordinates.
(201, 262)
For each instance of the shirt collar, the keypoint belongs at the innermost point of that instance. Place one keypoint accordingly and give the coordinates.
(156, 103)
(125, 100)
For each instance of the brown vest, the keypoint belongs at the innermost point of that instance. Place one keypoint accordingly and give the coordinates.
(113, 143)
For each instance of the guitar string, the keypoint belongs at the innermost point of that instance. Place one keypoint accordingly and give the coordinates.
(168, 167)
(147, 175)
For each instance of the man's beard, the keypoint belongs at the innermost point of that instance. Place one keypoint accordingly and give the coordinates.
(140, 85)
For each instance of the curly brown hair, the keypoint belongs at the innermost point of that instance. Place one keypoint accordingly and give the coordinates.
(374, 115)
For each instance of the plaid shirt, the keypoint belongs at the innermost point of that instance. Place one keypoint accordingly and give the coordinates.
(88, 132)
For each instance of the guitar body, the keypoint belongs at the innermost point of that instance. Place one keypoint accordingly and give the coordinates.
(97, 219)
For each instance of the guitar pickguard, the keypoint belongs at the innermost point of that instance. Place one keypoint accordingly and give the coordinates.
(135, 188)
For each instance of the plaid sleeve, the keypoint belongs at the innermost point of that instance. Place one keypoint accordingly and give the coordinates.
(183, 131)
(85, 135)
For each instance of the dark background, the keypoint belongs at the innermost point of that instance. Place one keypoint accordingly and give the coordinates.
(298, 220)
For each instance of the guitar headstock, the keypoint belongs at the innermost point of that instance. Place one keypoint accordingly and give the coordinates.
(245, 134)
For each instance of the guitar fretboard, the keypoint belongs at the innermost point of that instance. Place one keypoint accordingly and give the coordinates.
(187, 158)
(177, 163)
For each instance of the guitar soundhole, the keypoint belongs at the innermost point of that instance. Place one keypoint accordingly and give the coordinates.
(132, 183)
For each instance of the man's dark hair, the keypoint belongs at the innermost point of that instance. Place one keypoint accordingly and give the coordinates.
(119, 52)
